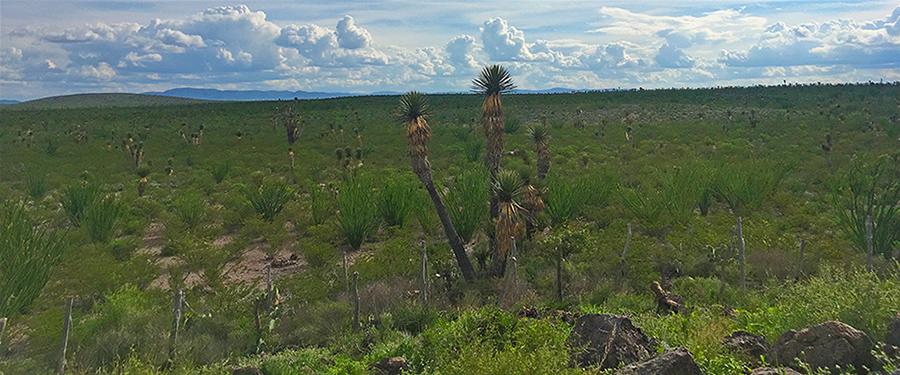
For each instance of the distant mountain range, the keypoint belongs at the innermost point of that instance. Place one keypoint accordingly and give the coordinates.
(252, 95)
(7, 101)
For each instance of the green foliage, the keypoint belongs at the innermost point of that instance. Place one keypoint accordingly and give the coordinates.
(357, 213)
(77, 199)
(102, 219)
(191, 209)
(220, 171)
(395, 199)
(511, 125)
(658, 207)
(467, 202)
(269, 198)
(36, 185)
(870, 189)
(321, 203)
(472, 149)
(745, 186)
(27, 254)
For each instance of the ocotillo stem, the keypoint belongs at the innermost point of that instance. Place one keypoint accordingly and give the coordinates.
(424, 275)
(870, 248)
(355, 301)
(741, 252)
(67, 327)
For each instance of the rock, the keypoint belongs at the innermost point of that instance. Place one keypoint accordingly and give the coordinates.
(774, 371)
(389, 366)
(673, 362)
(825, 346)
(892, 339)
(249, 370)
(747, 345)
(608, 341)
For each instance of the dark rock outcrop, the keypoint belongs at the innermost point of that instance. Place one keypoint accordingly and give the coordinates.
(608, 341)
(249, 370)
(747, 345)
(892, 338)
(825, 346)
(389, 366)
(673, 362)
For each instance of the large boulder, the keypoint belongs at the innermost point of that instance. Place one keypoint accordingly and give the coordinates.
(673, 362)
(249, 370)
(608, 341)
(389, 366)
(747, 345)
(825, 346)
(774, 371)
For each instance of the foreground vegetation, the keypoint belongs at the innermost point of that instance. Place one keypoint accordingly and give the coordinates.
(570, 204)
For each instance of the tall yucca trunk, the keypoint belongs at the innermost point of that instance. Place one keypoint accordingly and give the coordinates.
(508, 226)
(543, 161)
(492, 118)
(419, 133)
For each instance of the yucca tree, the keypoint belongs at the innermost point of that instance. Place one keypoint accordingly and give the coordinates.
(412, 112)
(509, 190)
(493, 81)
(540, 136)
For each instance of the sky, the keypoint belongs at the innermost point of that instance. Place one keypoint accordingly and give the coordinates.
(62, 47)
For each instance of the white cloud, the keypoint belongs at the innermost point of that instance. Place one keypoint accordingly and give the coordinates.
(503, 42)
(350, 36)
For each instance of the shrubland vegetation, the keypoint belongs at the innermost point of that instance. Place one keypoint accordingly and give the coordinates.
(753, 205)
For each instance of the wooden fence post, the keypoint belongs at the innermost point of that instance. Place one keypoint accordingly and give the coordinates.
(514, 256)
(802, 256)
(67, 327)
(741, 252)
(346, 271)
(424, 275)
(622, 259)
(870, 247)
(177, 305)
(355, 301)
(270, 288)
(559, 291)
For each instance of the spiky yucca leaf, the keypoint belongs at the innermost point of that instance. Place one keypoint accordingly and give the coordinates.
(494, 79)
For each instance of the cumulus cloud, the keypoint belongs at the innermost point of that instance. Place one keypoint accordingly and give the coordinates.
(237, 46)
(350, 36)
(837, 42)
(503, 42)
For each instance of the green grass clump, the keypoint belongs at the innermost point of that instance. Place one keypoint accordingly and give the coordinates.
(191, 210)
(467, 202)
(269, 198)
(36, 185)
(395, 200)
(102, 219)
(77, 199)
(357, 213)
(27, 254)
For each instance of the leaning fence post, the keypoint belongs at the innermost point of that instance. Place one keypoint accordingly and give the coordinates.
(346, 272)
(424, 275)
(622, 259)
(559, 290)
(741, 252)
(802, 256)
(870, 248)
(177, 303)
(514, 256)
(270, 288)
(355, 301)
(67, 327)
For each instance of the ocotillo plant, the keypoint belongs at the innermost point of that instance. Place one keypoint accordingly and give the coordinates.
(869, 189)
(412, 112)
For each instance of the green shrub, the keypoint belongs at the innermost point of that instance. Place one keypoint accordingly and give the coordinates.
(870, 189)
(467, 202)
(511, 125)
(395, 199)
(27, 254)
(102, 219)
(76, 200)
(220, 171)
(269, 198)
(191, 209)
(36, 185)
(321, 203)
(357, 213)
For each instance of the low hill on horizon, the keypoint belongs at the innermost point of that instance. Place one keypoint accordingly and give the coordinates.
(99, 100)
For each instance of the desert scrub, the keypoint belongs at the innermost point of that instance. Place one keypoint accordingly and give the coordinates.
(863, 300)
(76, 200)
(36, 185)
(466, 200)
(357, 213)
(190, 209)
(27, 254)
(269, 198)
(395, 199)
(102, 219)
